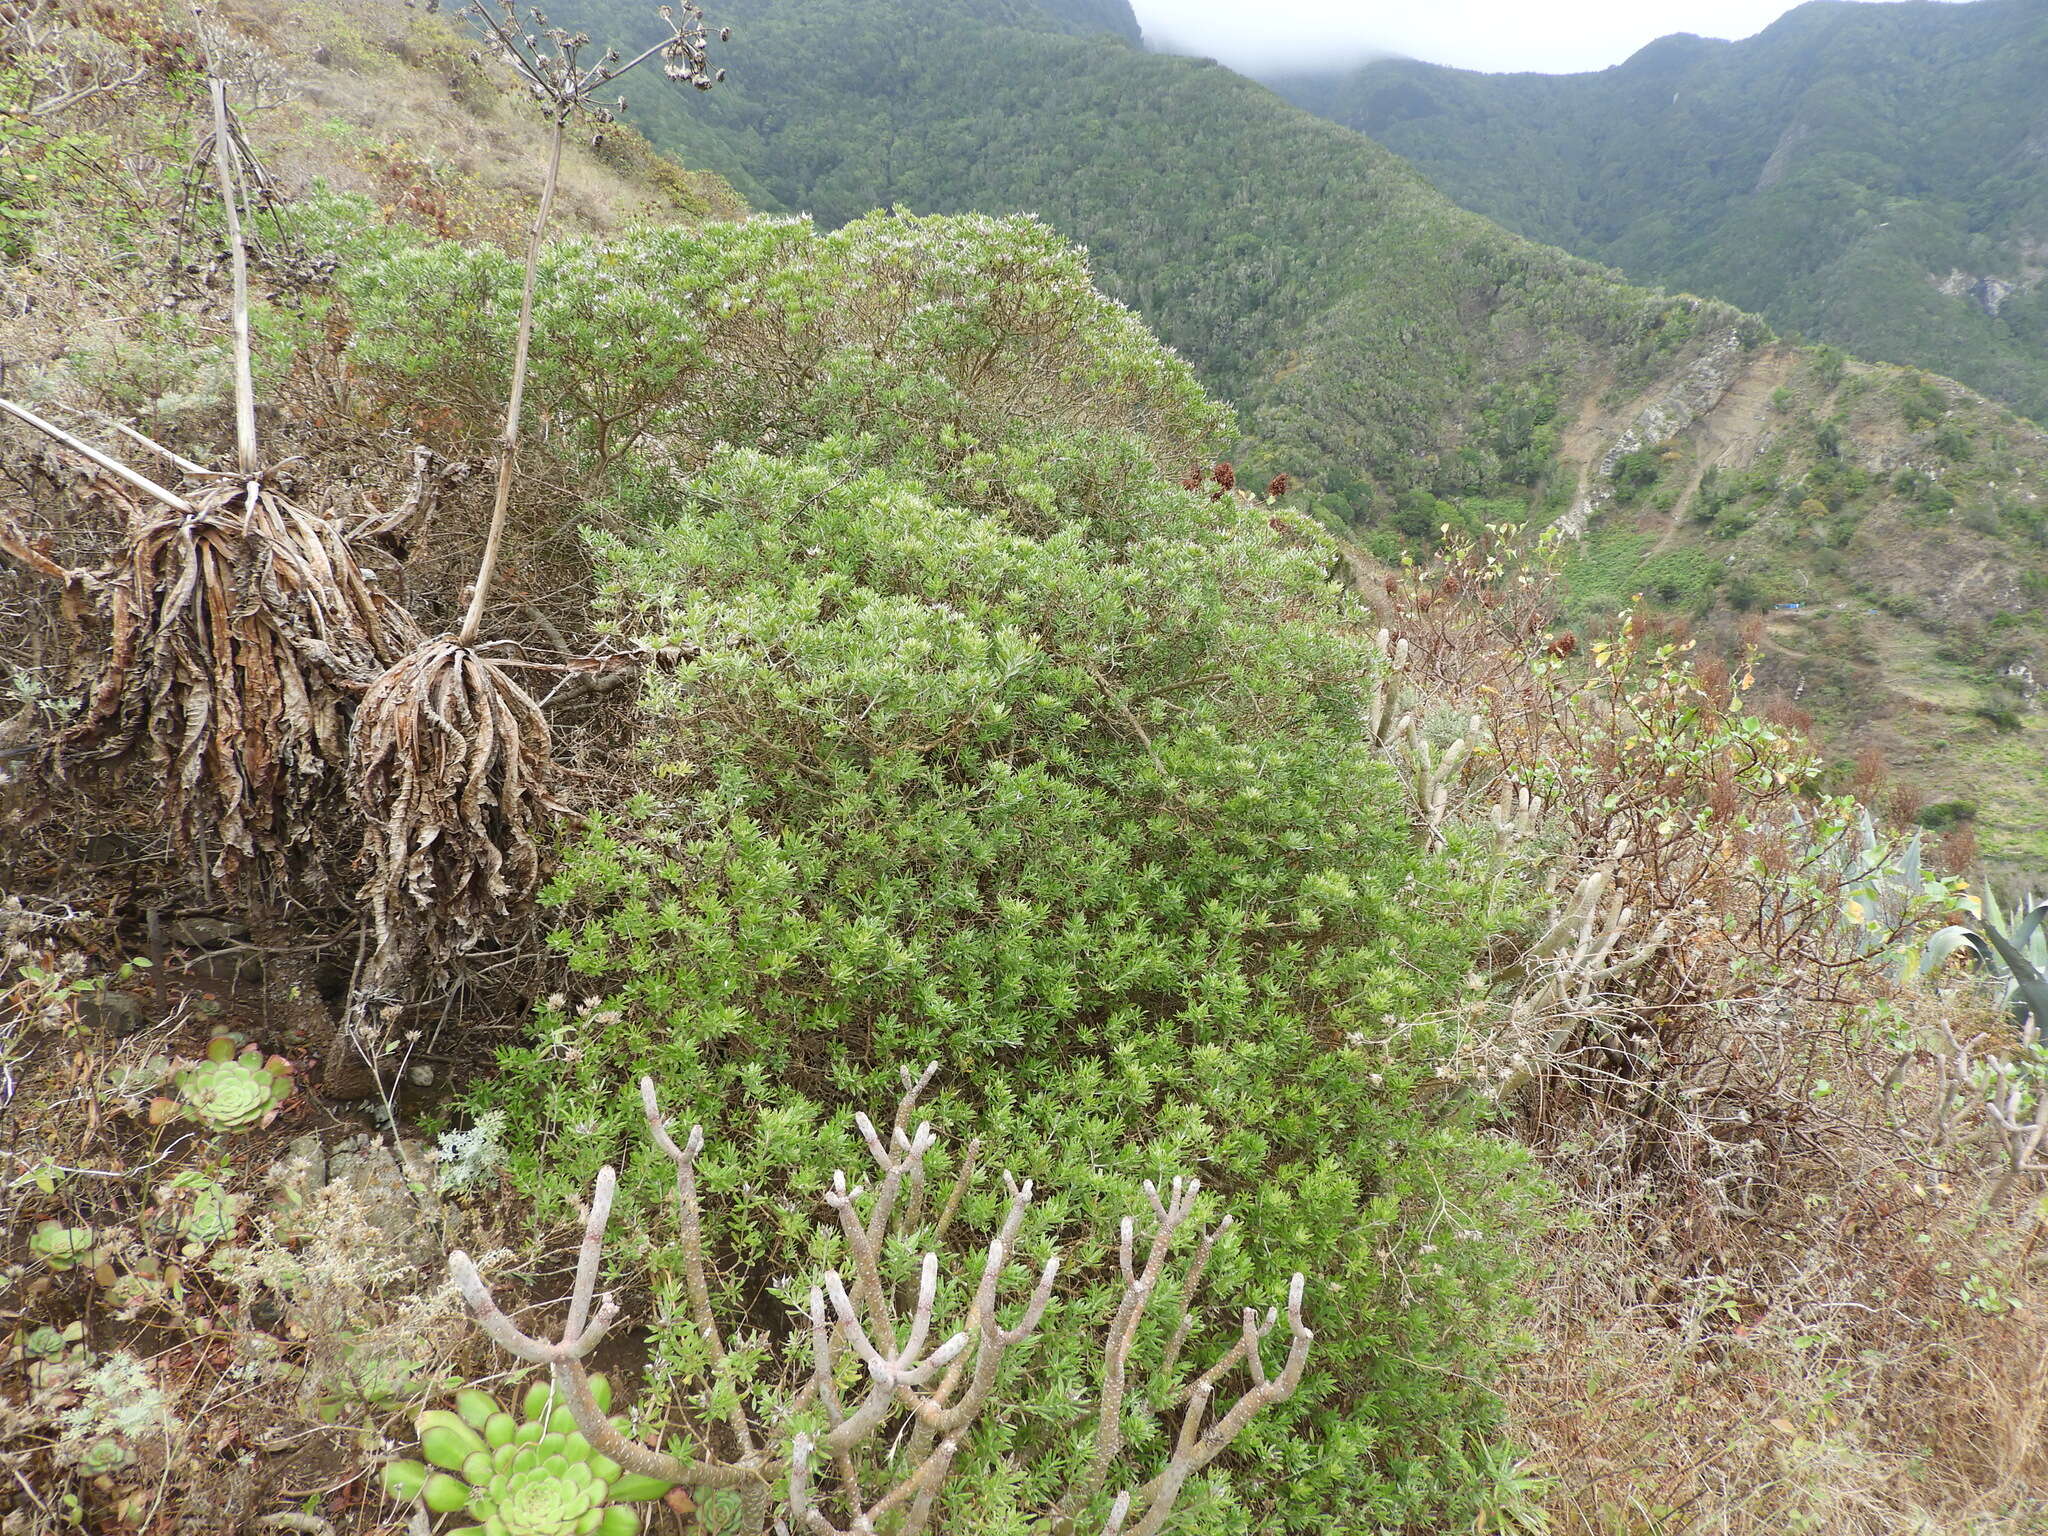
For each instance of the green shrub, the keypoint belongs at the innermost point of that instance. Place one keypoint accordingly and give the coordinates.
(768, 330)
(1634, 473)
(1944, 814)
(1000, 751)
(1920, 400)
(1090, 820)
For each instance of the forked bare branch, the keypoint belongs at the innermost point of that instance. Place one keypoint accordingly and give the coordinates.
(886, 1449)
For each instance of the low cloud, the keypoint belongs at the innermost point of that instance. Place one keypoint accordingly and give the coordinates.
(1276, 36)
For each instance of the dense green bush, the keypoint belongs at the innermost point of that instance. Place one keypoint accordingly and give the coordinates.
(766, 331)
(1022, 760)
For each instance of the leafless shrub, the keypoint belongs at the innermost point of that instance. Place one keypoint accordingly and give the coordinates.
(883, 1458)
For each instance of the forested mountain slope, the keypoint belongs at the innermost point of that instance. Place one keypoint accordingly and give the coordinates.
(1874, 175)
(1417, 364)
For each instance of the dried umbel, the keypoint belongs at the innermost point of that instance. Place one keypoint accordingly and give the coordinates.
(547, 58)
(534, 1475)
(897, 1408)
(235, 1092)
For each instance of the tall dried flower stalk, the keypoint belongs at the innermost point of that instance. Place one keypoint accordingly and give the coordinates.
(883, 1457)
(451, 758)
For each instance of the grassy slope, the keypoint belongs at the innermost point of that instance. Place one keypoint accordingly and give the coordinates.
(1851, 172)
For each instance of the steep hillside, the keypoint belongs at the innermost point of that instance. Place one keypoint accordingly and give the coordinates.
(1479, 1082)
(1419, 365)
(1874, 175)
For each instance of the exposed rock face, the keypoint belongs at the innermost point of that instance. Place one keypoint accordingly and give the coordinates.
(1695, 393)
(1781, 157)
(398, 1198)
(1987, 293)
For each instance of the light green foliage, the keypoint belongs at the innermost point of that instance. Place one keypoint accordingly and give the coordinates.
(994, 749)
(58, 1246)
(467, 1158)
(199, 1208)
(119, 1404)
(767, 331)
(529, 1475)
(234, 1092)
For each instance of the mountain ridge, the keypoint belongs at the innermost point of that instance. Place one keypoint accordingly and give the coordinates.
(1412, 363)
(1872, 175)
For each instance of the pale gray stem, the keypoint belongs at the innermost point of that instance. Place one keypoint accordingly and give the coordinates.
(689, 1219)
(960, 1182)
(238, 256)
(1140, 1286)
(1187, 1297)
(86, 451)
(591, 1252)
(508, 452)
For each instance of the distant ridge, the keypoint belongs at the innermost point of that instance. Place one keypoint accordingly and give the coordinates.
(1875, 175)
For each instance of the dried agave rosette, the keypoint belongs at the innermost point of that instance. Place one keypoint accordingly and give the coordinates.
(243, 630)
(450, 767)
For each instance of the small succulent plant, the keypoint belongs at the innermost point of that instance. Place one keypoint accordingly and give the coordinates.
(235, 1092)
(199, 1209)
(532, 1475)
(60, 1246)
(102, 1456)
(47, 1343)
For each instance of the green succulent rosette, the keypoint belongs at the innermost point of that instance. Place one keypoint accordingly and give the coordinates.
(103, 1456)
(532, 1475)
(230, 1092)
(60, 1246)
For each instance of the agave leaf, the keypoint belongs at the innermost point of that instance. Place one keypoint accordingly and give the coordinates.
(2028, 981)
(1942, 945)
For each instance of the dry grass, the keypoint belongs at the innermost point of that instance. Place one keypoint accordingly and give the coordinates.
(1846, 1383)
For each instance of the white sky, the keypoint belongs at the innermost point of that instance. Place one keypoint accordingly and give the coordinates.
(1553, 37)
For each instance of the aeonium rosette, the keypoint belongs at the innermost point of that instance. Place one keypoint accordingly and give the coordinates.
(230, 1092)
(533, 1475)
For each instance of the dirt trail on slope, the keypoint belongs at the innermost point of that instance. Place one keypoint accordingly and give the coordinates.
(1739, 421)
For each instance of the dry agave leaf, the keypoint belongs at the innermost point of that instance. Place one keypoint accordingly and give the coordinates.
(242, 633)
(450, 766)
